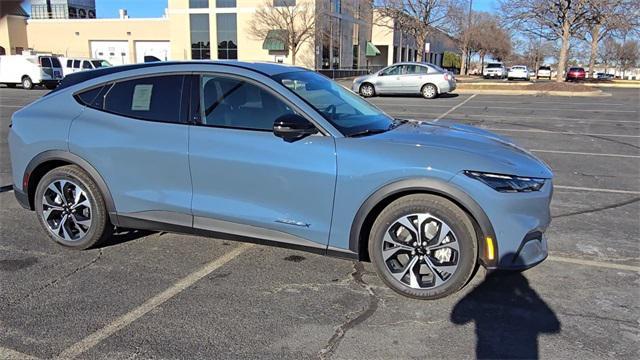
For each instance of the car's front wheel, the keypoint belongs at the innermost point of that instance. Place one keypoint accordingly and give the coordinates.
(27, 83)
(423, 246)
(71, 209)
(367, 90)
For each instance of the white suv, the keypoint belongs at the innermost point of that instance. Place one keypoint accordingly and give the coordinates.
(494, 70)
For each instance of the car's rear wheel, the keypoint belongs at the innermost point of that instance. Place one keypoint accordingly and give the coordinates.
(71, 208)
(27, 83)
(367, 90)
(423, 246)
(429, 91)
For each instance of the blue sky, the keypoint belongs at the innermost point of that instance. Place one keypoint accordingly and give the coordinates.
(155, 8)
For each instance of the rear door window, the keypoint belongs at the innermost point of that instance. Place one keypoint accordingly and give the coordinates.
(45, 62)
(155, 98)
(94, 97)
(86, 65)
(69, 63)
(76, 64)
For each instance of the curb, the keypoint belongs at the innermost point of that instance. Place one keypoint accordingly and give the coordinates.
(623, 86)
(532, 92)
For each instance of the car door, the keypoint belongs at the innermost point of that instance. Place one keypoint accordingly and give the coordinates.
(413, 77)
(134, 133)
(247, 181)
(389, 80)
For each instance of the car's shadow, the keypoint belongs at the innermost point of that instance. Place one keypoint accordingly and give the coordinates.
(509, 316)
(122, 235)
(441, 96)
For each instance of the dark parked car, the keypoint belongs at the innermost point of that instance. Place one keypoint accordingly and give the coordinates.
(575, 74)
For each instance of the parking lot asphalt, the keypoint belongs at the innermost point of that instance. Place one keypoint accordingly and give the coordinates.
(165, 296)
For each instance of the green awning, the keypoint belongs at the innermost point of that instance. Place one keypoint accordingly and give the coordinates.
(372, 50)
(276, 40)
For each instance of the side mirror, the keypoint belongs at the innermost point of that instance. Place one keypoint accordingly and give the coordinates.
(293, 127)
(380, 73)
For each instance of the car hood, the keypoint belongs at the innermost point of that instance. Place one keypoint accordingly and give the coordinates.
(497, 153)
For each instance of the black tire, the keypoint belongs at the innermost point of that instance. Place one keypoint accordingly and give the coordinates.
(27, 83)
(440, 208)
(51, 86)
(429, 91)
(100, 228)
(367, 90)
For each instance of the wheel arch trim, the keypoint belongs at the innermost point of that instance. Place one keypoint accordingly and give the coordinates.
(430, 186)
(61, 155)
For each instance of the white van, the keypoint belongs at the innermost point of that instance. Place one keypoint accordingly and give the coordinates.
(30, 70)
(71, 65)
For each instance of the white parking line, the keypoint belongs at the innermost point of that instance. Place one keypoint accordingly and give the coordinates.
(584, 153)
(126, 319)
(579, 188)
(489, 107)
(455, 107)
(9, 354)
(601, 264)
(562, 132)
(12, 106)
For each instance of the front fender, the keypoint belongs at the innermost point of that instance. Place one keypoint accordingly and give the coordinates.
(370, 209)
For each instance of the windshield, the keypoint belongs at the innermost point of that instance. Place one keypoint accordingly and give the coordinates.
(100, 63)
(350, 114)
(494, 65)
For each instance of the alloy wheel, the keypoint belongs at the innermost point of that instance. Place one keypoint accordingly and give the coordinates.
(66, 209)
(420, 251)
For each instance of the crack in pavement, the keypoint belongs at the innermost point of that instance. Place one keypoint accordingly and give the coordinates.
(53, 282)
(340, 331)
(612, 206)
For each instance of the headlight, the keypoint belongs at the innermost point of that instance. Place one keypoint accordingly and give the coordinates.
(507, 183)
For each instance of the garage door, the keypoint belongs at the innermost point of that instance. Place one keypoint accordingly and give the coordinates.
(147, 51)
(115, 52)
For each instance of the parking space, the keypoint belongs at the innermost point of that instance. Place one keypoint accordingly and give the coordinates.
(159, 295)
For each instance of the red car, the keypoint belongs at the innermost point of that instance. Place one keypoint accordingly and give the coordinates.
(575, 74)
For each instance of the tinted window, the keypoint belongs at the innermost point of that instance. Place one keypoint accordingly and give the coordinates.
(227, 36)
(45, 62)
(69, 63)
(234, 103)
(55, 62)
(394, 70)
(225, 3)
(415, 69)
(86, 65)
(494, 65)
(94, 97)
(100, 63)
(200, 42)
(198, 4)
(76, 64)
(153, 98)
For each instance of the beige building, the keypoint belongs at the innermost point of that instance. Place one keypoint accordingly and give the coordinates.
(349, 34)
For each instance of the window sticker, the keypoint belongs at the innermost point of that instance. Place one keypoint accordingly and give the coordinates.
(141, 97)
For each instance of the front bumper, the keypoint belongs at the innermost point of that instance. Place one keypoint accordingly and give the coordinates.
(519, 221)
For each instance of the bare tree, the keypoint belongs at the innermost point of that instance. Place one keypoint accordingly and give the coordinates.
(551, 19)
(607, 17)
(608, 52)
(417, 18)
(498, 45)
(295, 24)
(627, 55)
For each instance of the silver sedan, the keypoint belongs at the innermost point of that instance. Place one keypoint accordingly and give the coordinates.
(406, 78)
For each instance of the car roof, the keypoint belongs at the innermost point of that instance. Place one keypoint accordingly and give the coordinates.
(265, 68)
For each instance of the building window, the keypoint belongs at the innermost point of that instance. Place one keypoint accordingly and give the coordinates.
(198, 4)
(227, 36)
(282, 3)
(336, 6)
(356, 45)
(226, 3)
(336, 36)
(200, 47)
